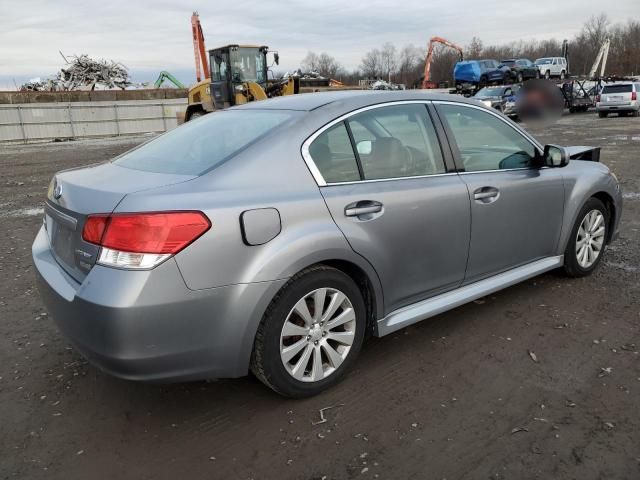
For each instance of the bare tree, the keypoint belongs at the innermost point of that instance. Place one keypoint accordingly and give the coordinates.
(474, 49)
(310, 62)
(328, 66)
(371, 65)
(410, 64)
(389, 60)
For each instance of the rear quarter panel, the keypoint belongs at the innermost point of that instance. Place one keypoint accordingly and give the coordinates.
(270, 174)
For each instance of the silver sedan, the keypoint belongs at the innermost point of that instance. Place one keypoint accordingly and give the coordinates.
(274, 236)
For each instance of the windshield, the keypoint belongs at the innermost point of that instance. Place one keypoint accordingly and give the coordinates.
(490, 92)
(200, 145)
(247, 64)
(544, 61)
(617, 88)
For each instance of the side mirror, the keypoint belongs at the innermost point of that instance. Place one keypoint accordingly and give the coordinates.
(364, 147)
(555, 156)
(276, 58)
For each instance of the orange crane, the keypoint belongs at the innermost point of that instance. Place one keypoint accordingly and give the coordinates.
(199, 51)
(426, 80)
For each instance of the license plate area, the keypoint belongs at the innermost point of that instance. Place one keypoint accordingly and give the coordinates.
(61, 239)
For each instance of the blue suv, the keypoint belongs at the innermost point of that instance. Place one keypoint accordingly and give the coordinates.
(478, 73)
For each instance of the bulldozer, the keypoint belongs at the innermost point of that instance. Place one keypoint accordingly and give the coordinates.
(238, 75)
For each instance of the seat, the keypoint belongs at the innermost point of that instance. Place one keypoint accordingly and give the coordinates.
(389, 158)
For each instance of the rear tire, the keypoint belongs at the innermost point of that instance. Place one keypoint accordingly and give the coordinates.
(622, 114)
(603, 114)
(321, 355)
(562, 75)
(483, 82)
(519, 77)
(547, 75)
(587, 242)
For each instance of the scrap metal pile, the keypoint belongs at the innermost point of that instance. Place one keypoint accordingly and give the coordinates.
(84, 73)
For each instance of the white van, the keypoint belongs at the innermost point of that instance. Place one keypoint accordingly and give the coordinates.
(552, 67)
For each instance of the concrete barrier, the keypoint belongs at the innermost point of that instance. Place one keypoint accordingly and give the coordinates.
(37, 122)
(16, 98)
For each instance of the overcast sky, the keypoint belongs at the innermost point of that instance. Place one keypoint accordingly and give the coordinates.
(153, 35)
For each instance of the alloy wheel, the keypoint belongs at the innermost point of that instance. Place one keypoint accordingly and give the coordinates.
(590, 238)
(317, 335)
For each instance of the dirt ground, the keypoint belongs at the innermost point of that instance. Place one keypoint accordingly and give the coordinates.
(455, 397)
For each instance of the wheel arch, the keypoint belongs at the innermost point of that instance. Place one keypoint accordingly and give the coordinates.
(610, 205)
(191, 109)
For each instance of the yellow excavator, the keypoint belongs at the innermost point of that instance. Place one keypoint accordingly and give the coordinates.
(238, 75)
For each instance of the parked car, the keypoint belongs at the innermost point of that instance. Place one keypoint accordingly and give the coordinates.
(480, 73)
(521, 69)
(274, 236)
(502, 98)
(553, 67)
(620, 98)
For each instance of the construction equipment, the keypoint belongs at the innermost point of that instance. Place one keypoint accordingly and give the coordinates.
(199, 50)
(164, 75)
(238, 76)
(426, 79)
(233, 75)
(603, 53)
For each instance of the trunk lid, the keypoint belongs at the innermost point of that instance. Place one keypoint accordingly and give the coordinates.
(75, 194)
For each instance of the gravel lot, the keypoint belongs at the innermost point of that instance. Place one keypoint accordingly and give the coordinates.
(454, 397)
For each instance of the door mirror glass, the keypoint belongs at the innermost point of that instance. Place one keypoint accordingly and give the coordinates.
(555, 156)
(364, 147)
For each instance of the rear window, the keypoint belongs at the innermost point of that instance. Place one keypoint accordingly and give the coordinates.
(200, 145)
(617, 89)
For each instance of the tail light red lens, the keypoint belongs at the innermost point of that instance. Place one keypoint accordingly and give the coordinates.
(155, 232)
(634, 95)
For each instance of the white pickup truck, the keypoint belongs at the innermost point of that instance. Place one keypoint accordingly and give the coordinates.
(552, 67)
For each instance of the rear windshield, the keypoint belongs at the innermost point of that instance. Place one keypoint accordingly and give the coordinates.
(202, 144)
(617, 88)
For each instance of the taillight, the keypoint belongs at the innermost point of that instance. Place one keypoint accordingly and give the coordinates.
(598, 98)
(634, 95)
(143, 240)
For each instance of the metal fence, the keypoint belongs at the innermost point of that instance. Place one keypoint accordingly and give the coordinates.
(25, 123)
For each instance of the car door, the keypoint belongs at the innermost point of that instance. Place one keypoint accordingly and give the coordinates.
(495, 72)
(392, 191)
(516, 206)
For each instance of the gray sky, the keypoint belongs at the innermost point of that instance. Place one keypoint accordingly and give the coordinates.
(153, 35)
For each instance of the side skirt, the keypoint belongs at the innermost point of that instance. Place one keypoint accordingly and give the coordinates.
(446, 301)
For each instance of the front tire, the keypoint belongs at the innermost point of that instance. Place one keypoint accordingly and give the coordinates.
(562, 75)
(547, 75)
(311, 333)
(519, 77)
(588, 239)
(603, 114)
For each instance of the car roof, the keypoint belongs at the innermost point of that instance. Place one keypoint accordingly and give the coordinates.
(347, 98)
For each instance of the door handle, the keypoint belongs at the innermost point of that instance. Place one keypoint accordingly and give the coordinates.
(486, 194)
(362, 207)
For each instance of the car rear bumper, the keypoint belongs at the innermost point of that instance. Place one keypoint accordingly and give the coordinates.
(618, 107)
(147, 325)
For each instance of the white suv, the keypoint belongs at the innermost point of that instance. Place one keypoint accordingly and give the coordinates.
(620, 98)
(552, 67)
